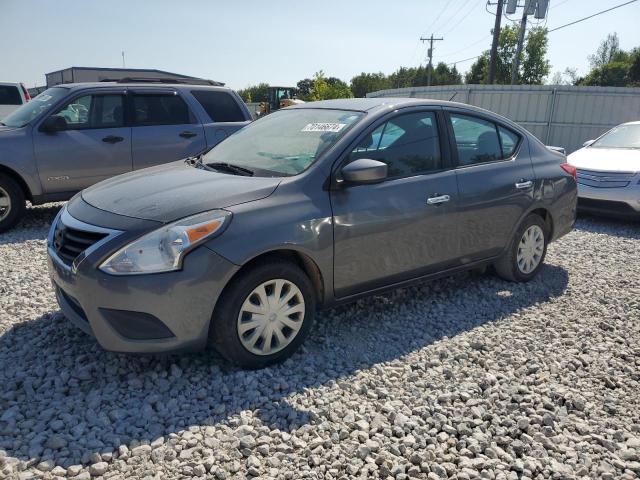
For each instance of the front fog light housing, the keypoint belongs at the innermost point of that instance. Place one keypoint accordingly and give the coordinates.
(163, 249)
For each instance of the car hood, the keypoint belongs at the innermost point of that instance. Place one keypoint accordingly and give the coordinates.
(606, 159)
(175, 190)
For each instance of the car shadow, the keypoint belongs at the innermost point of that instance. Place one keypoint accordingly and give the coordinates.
(608, 225)
(57, 382)
(30, 226)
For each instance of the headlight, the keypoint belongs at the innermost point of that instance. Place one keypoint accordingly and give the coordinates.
(163, 249)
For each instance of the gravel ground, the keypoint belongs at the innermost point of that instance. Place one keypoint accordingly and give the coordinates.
(467, 377)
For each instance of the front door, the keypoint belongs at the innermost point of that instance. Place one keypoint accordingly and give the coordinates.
(405, 226)
(164, 129)
(496, 183)
(95, 146)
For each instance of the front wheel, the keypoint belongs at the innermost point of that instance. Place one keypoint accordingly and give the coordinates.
(264, 314)
(525, 256)
(12, 202)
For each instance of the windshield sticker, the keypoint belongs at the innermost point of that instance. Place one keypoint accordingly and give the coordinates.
(43, 98)
(323, 127)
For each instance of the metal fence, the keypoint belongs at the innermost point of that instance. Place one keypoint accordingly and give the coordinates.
(559, 115)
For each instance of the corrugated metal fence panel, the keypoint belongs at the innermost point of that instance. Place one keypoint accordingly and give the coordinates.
(558, 115)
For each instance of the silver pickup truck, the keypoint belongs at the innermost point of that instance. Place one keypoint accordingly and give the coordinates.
(72, 136)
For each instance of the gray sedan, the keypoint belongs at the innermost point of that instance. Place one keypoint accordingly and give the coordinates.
(308, 207)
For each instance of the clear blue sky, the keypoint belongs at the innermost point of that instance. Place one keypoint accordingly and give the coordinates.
(243, 42)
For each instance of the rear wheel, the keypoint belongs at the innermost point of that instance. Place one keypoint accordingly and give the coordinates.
(527, 251)
(264, 314)
(12, 202)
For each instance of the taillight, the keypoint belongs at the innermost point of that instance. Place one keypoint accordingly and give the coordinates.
(27, 97)
(570, 169)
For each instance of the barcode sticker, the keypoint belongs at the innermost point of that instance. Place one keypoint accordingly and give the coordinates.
(323, 127)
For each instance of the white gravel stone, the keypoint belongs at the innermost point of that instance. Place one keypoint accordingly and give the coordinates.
(466, 377)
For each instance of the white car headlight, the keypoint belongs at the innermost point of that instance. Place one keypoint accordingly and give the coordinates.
(163, 249)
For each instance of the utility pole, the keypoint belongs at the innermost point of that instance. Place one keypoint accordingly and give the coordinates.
(523, 28)
(431, 39)
(122, 58)
(494, 44)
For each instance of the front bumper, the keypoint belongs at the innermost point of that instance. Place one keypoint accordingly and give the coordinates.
(152, 313)
(619, 202)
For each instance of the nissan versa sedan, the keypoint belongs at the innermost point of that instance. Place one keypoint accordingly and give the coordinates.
(609, 172)
(308, 207)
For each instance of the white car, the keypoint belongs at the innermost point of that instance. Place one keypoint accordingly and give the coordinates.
(12, 96)
(609, 172)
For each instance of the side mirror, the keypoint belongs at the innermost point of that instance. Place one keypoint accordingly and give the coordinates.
(363, 171)
(53, 124)
(588, 143)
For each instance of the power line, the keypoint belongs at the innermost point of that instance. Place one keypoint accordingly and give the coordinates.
(461, 20)
(591, 16)
(557, 5)
(463, 4)
(465, 60)
(467, 47)
(447, 3)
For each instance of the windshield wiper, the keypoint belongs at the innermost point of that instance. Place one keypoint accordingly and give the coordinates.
(229, 167)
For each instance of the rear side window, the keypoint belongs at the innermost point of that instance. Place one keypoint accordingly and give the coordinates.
(160, 109)
(476, 140)
(509, 141)
(220, 106)
(408, 144)
(10, 95)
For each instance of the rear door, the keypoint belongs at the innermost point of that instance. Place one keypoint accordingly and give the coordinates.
(222, 111)
(495, 180)
(95, 146)
(163, 128)
(405, 226)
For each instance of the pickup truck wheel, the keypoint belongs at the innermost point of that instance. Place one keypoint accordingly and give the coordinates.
(12, 202)
(525, 256)
(264, 314)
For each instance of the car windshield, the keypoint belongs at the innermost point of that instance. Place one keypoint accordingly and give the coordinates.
(32, 109)
(622, 136)
(283, 143)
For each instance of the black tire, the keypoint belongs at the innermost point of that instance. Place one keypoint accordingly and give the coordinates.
(10, 218)
(507, 267)
(223, 332)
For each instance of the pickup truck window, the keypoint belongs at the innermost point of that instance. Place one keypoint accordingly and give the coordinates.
(220, 106)
(160, 109)
(10, 95)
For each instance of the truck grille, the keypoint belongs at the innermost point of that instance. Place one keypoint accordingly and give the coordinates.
(597, 179)
(69, 243)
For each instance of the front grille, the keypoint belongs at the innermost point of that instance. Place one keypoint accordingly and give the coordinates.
(69, 243)
(597, 179)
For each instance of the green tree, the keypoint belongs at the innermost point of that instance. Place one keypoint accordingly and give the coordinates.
(607, 51)
(255, 93)
(368, 82)
(304, 88)
(533, 66)
(323, 90)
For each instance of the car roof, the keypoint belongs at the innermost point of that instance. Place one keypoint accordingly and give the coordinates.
(390, 103)
(190, 86)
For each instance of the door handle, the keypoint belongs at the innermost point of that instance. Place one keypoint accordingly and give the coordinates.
(438, 199)
(112, 139)
(187, 134)
(524, 184)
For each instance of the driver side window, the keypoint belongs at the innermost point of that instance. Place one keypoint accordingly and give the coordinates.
(408, 144)
(93, 111)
